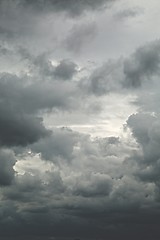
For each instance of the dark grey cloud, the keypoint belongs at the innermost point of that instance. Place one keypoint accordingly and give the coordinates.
(65, 70)
(20, 21)
(29, 188)
(20, 129)
(13, 26)
(145, 129)
(40, 63)
(17, 127)
(128, 13)
(80, 36)
(142, 65)
(59, 144)
(63, 183)
(80, 197)
(105, 79)
(5, 32)
(140, 69)
(140, 127)
(7, 161)
(93, 192)
(93, 185)
(26, 93)
(5, 51)
(20, 105)
(70, 6)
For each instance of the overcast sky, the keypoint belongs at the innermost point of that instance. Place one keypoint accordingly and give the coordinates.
(79, 119)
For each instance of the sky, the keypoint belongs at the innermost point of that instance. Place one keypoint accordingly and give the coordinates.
(79, 119)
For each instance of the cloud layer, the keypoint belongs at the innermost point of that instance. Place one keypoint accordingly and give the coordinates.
(59, 177)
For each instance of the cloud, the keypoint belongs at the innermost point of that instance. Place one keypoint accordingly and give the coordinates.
(56, 182)
(17, 127)
(20, 129)
(65, 70)
(96, 187)
(142, 65)
(105, 79)
(137, 71)
(93, 185)
(145, 130)
(140, 127)
(59, 144)
(128, 13)
(21, 22)
(70, 6)
(144, 124)
(7, 161)
(20, 105)
(80, 36)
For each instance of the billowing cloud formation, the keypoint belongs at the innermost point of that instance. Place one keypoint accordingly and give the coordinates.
(79, 138)
(59, 144)
(20, 102)
(65, 69)
(143, 64)
(17, 126)
(97, 185)
(145, 130)
(141, 68)
(109, 182)
(104, 79)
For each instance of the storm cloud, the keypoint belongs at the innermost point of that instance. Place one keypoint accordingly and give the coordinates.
(79, 120)
(72, 7)
(143, 65)
(19, 106)
(7, 161)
